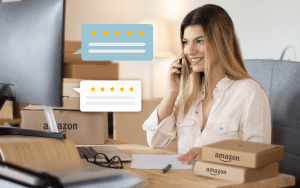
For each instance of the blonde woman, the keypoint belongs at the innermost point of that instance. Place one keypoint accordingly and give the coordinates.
(215, 98)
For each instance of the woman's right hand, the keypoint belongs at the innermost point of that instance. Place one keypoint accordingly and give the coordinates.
(173, 85)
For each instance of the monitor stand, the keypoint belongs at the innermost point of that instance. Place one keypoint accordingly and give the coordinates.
(27, 132)
(7, 93)
(51, 119)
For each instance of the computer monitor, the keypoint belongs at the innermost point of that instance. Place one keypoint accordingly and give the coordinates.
(31, 52)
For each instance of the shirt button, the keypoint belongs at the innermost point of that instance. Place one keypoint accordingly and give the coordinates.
(216, 90)
(221, 129)
(196, 112)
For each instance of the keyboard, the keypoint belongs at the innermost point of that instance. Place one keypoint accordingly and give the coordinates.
(109, 151)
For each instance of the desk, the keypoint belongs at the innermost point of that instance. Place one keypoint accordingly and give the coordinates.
(186, 178)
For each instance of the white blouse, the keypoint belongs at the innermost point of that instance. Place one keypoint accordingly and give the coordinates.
(240, 111)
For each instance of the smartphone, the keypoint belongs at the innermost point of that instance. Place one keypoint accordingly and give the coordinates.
(177, 76)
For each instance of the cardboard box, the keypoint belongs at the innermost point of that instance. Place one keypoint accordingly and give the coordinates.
(70, 47)
(128, 125)
(234, 173)
(84, 128)
(68, 85)
(7, 110)
(86, 70)
(67, 104)
(242, 153)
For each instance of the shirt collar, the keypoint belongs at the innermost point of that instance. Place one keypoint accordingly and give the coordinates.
(224, 84)
(221, 86)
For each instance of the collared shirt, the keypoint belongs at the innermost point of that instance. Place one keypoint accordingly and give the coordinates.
(241, 111)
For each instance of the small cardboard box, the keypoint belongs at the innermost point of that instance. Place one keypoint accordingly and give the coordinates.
(242, 153)
(234, 173)
(84, 128)
(68, 85)
(7, 110)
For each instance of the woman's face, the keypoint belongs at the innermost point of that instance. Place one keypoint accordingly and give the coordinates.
(193, 47)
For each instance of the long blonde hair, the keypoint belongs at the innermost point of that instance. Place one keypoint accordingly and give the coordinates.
(221, 48)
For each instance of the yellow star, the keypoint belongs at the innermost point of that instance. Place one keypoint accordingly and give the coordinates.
(102, 88)
(128, 33)
(121, 89)
(112, 89)
(117, 33)
(131, 89)
(105, 33)
(93, 33)
(141, 33)
(92, 89)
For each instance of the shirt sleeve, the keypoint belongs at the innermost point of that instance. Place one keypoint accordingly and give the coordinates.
(159, 134)
(257, 124)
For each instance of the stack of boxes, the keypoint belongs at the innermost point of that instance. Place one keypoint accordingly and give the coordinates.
(84, 128)
(239, 161)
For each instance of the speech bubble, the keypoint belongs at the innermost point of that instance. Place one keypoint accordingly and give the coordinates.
(116, 42)
(110, 96)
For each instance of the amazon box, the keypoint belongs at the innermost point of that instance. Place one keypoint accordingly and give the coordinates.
(84, 128)
(242, 153)
(234, 173)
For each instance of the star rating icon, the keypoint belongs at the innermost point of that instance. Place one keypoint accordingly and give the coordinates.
(141, 33)
(121, 89)
(128, 33)
(112, 89)
(117, 33)
(93, 33)
(131, 89)
(102, 88)
(105, 33)
(92, 89)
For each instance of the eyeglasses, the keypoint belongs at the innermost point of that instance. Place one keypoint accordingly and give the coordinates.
(114, 162)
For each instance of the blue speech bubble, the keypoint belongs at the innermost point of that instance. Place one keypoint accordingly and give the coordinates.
(122, 42)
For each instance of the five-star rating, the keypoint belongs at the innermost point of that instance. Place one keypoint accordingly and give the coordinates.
(112, 89)
(117, 33)
(110, 95)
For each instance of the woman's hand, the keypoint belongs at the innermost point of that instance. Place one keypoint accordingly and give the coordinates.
(173, 85)
(186, 158)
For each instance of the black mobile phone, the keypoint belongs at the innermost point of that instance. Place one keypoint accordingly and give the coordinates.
(177, 76)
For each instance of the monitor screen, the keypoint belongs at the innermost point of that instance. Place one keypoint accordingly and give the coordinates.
(31, 51)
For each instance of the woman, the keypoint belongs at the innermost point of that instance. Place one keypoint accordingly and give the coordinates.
(215, 98)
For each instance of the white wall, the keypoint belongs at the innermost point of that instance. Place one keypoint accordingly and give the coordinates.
(264, 28)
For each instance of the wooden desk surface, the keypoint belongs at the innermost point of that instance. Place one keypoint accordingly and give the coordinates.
(186, 178)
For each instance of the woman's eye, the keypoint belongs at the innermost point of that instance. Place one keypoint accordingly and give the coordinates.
(200, 41)
(184, 42)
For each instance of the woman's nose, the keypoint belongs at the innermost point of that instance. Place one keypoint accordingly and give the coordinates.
(192, 50)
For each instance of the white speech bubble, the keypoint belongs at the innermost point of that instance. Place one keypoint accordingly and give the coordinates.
(110, 96)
